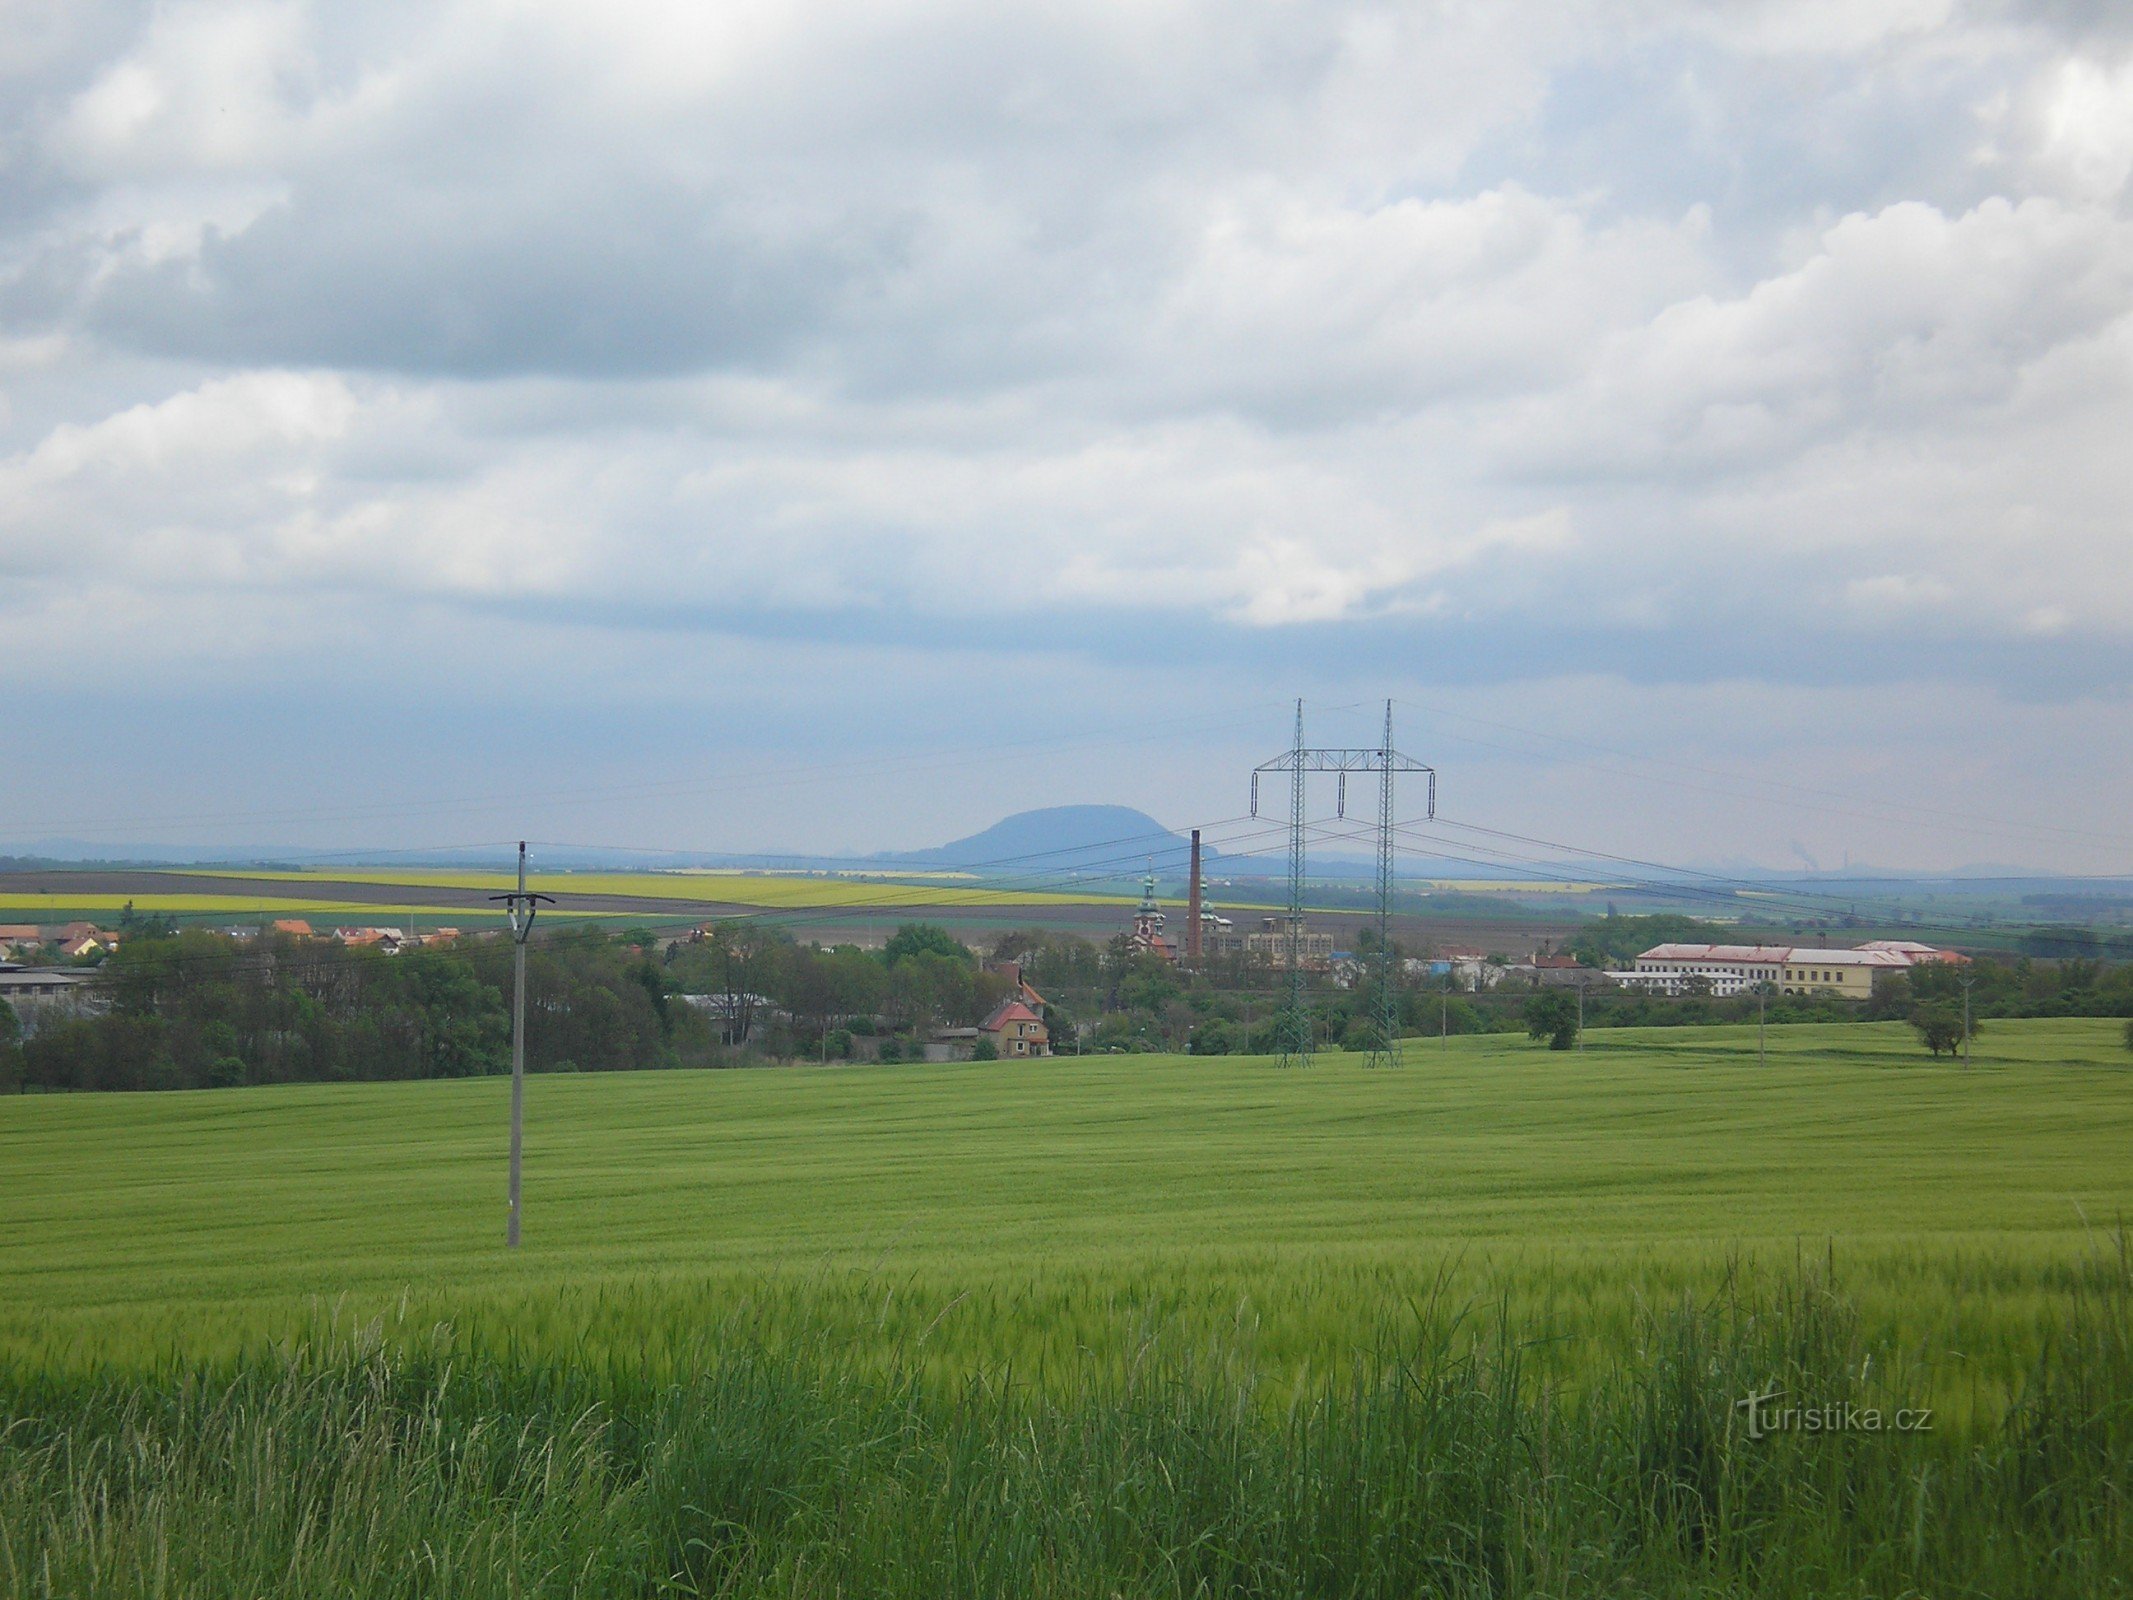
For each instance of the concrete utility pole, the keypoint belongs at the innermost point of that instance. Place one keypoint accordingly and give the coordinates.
(522, 907)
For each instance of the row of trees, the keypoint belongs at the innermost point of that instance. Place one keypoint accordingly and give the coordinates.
(197, 1009)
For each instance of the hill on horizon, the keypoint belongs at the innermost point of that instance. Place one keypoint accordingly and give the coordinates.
(1117, 840)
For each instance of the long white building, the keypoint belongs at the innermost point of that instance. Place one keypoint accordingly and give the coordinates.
(1732, 969)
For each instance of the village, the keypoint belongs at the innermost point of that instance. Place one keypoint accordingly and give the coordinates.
(49, 970)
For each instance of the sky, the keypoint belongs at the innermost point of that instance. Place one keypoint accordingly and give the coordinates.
(831, 427)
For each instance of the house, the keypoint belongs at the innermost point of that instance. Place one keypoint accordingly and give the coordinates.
(41, 993)
(22, 936)
(386, 940)
(294, 927)
(1016, 1031)
(81, 945)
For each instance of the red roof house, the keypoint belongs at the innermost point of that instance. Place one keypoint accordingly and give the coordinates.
(1017, 1031)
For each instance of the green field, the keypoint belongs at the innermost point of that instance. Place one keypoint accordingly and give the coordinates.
(1024, 1212)
(1477, 1326)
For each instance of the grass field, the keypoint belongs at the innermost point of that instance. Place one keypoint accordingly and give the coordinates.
(1130, 1326)
(1023, 1212)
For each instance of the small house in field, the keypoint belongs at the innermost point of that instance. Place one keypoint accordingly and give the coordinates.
(1016, 1031)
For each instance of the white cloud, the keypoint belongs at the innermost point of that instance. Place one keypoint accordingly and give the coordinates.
(1228, 321)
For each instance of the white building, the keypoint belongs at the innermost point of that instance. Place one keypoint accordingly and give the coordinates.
(1725, 970)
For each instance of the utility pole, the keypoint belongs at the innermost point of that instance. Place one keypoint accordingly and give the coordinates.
(522, 907)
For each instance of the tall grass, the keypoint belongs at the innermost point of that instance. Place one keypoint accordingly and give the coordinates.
(1439, 1462)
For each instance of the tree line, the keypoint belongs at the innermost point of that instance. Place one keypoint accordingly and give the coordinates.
(195, 1009)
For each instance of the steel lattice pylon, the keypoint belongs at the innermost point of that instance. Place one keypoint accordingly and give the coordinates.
(1296, 762)
(1385, 1041)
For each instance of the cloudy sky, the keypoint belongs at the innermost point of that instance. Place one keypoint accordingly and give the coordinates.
(755, 426)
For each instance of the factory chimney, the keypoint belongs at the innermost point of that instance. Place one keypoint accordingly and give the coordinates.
(1192, 909)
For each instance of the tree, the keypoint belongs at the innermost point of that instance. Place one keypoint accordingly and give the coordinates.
(1214, 1037)
(1940, 1027)
(11, 1051)
(922, 938)
(1553, 1016)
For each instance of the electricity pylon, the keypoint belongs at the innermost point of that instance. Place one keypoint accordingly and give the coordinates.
(1385, 761)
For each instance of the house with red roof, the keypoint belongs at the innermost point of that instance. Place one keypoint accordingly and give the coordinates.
(1016, 1031)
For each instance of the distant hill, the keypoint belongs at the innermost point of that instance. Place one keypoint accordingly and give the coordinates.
(1117, 840)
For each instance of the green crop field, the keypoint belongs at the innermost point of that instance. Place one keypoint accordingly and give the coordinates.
(1479, 1325)
(1023, 1211)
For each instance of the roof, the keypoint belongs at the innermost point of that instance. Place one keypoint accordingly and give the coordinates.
(19, 930)
(1902, 947)
(293, 925)
(1009, 1011)
(1726, 954)
(32, 979)
(1849, 958)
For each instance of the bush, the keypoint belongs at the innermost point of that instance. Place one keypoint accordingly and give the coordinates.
(984, 1050)
(225, 1072)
